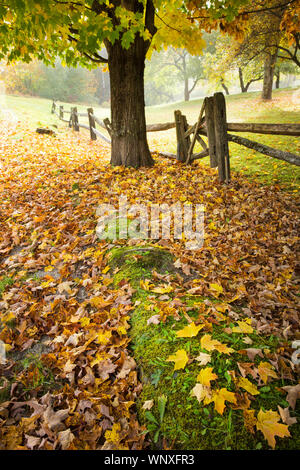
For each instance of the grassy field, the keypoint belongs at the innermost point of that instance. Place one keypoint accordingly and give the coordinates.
(284, 108)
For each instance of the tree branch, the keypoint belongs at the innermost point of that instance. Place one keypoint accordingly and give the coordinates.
(249, 12)
(150, 18)
(97, 58)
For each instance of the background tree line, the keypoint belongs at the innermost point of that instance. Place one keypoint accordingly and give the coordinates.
(60, 83)
(264, 55)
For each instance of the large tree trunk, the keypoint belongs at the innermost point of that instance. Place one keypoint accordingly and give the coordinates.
(129, 145)
(269, 66)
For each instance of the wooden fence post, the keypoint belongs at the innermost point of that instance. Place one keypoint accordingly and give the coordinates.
(53, 107)
(71, 118)
(61, 112)
(75, 124)
(92, 123)
(107, 124)
(210, 127)
(183, 143)
(222, 150)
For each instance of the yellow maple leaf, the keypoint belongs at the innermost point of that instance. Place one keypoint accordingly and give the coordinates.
(243, 327)
(103, 338)
(206, 376)
(248, 386)
(216, 288)
(114, 435)
(162, 289)
(146, 285)
(220, 396)
(210, 344)
(7, 317)
(189, 331)
(265, 371)
(98, 302)
(267, 423)
(84, 321)
(180, 358)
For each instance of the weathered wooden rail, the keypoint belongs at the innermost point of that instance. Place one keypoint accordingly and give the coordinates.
(211, 124)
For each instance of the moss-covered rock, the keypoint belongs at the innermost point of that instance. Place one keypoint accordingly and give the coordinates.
(135, 263)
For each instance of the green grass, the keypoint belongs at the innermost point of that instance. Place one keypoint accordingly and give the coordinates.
(244, 107)
(4, 282)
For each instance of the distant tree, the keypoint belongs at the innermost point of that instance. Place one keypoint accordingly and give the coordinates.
(268, 29)
(171, 68)
(216, 64)
(286, 68)
(189, 69)
(160, 80)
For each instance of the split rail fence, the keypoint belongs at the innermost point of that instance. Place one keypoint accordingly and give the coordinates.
(211, 124)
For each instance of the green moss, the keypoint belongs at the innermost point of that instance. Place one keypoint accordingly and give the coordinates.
(4, 282)
(186, 422)
(192, 425)
(135, 263)
(4, 391)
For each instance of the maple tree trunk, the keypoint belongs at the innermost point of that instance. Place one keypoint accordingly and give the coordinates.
(129, 145)
(268, 76)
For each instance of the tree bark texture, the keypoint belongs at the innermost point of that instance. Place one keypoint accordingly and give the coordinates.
(128, 122)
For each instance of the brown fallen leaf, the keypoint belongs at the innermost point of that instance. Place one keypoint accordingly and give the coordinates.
(54, 419)
(293, 394)
(155, 320)
(253, 352)
(285, 416)
(65, 438)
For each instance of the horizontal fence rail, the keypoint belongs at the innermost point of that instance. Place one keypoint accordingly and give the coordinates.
(211, 124)
(263, 128)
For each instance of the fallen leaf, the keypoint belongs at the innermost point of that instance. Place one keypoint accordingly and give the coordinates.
(154, 320)
(148, 405)
(253, 352)
(249, 420)
(267, 423)
(201, 392)
(211, 344)
(65, 438)
(220, 396)
(203, 359)
(293, 394)
(206, 376)
(180, 358)
(243, 327)
(189, 331)
(266, 370)
(285, 416)
(247, 385)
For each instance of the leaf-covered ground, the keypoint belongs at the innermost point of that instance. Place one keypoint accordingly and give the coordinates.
(71, 378)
